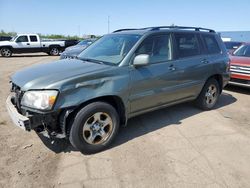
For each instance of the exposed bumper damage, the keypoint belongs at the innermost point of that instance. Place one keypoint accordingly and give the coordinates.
(51, 125)
(18, 119)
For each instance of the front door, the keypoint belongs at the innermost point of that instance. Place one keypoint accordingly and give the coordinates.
(150, 83)
(22, 44)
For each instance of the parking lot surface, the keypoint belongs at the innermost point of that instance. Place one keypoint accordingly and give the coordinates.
(180, 146)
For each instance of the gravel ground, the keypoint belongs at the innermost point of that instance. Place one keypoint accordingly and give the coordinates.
(179, 146)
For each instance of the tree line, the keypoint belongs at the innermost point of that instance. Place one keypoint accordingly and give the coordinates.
(49, 36)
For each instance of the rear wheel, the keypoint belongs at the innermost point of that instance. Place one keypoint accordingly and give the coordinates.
(209, 95)
(94, 127)
(6, 52)
(54, 51)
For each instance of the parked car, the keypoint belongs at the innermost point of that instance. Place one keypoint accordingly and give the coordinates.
(123, 74)
(240, 66)
(30, 43)
(231, 46)
(70, 42)
(5, 38)
(73, 51)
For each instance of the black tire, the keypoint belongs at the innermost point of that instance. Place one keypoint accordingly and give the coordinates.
(6, 52)
(209, 95)
(54, 51)
(83, 125)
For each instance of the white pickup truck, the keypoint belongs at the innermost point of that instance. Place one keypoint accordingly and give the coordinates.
(30, 43)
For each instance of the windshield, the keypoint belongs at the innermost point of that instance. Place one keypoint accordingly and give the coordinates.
(243, 50)
(110, 48)
(13, 38)
(232, 45)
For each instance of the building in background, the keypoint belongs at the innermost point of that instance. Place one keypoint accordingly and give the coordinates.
(241, 36)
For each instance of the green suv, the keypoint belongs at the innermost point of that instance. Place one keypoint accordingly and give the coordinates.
(123, 74)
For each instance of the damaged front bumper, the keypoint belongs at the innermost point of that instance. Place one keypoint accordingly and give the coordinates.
(51, 124)
(18, 119)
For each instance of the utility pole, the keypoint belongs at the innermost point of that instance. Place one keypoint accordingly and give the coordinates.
(108, 24)
(79, 30)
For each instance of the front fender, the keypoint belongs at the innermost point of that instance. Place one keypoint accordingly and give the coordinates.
(115, 84)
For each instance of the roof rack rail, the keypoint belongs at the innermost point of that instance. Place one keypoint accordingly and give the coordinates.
(131, 29)
(124, 30)
(181, 27)
(166, 27)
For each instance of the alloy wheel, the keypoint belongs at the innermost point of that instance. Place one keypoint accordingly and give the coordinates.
(211, 95)
(98, 128)
(6, 52)
(54, 51)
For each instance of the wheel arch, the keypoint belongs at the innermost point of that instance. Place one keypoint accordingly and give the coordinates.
(7, 46)
(113, 100)
(219, 79)
(54, 45)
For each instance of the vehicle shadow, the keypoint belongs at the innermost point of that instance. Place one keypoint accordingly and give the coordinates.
(242, 90)
(170, 116)
(147, 123)
(57, 145)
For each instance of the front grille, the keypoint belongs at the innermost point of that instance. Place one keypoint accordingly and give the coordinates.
(245, 70)
(18, 94)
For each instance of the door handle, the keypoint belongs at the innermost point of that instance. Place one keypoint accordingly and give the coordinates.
(172, 68)
(28, 43)
(204, 61)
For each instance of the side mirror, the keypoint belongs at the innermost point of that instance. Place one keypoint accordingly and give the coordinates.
(141, 60)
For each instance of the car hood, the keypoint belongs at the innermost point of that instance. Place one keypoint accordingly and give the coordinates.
(239, 60)
(3, 43)
(53, 75)
(74, 50)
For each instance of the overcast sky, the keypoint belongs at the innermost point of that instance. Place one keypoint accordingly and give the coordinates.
(71, 17)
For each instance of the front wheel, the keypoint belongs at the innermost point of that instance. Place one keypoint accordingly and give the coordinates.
(6, 52)
(209, 95)
(94, 127)
(54, 51)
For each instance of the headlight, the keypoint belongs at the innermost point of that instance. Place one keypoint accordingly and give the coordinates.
(43, 100)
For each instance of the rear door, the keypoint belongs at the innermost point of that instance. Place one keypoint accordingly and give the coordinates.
(34, 44)
(215, 57)
(190, 64)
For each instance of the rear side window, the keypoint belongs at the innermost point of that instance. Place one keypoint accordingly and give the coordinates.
(211, 44)
(158, 47)
(187, 45)
(33, 38)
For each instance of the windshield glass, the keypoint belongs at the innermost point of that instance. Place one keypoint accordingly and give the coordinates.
(243, 50)
(13, 38)
(232, 45)
(110, 48)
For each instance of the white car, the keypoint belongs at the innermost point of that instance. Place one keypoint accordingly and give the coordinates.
(30, 43)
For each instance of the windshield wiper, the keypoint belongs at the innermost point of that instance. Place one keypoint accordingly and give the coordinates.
(91, 60)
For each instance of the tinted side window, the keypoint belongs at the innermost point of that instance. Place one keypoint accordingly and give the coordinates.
(22, 39)
(211, 44)
(33, 38)
(158, 47)
(186, 45)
